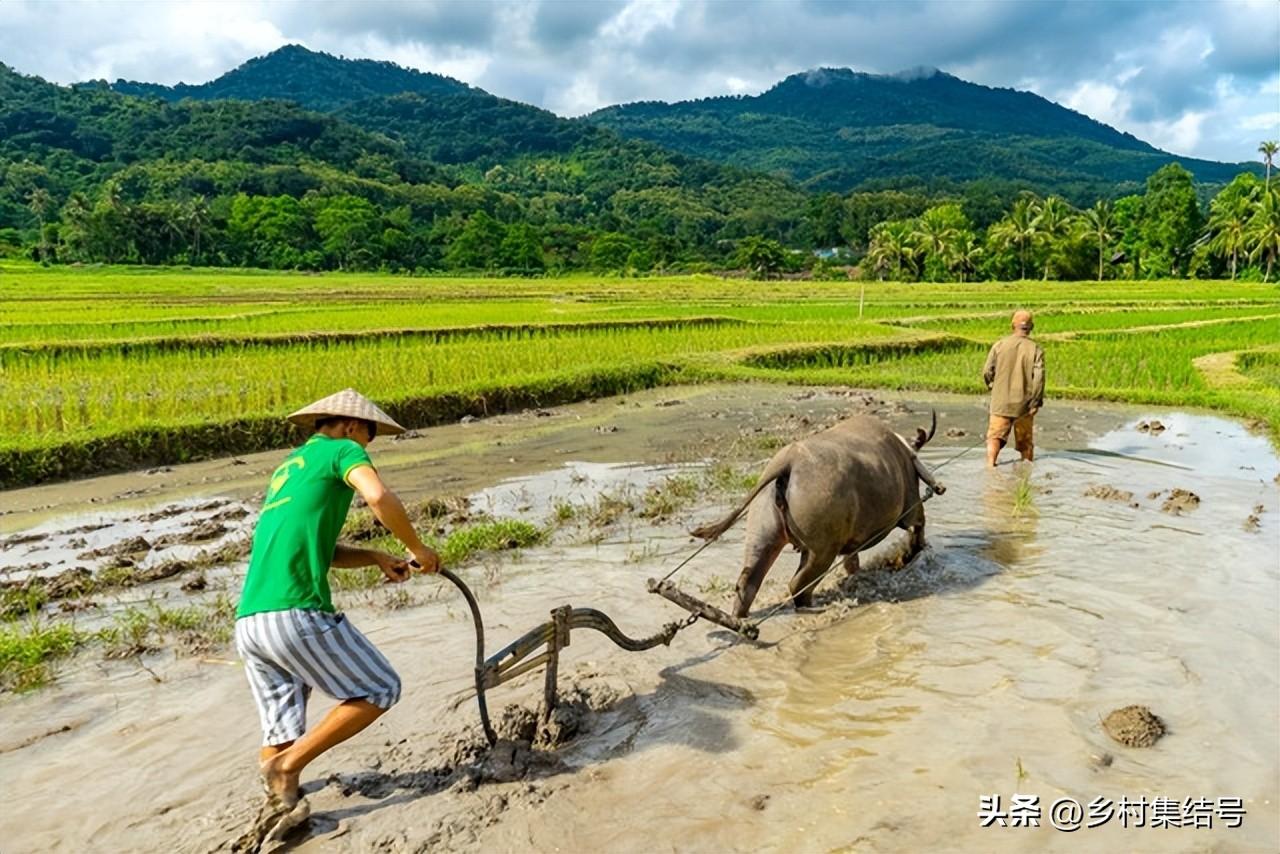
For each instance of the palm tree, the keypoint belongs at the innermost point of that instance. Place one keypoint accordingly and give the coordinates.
(1053, 220)
(964, 254)
(891, 245)
(1263, 231)
(1098, 223)
(196, 215)
(39, 202)
(76, 215)
(1268, 149)
(1018, 230)
(935, 231)
(1229, 217)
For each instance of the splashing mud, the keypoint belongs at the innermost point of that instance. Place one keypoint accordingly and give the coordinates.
(985, 667)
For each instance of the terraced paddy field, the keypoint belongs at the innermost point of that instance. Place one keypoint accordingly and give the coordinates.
(111, 368)
(1132, 563)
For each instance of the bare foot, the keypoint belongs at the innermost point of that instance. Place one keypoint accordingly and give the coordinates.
(280, 783)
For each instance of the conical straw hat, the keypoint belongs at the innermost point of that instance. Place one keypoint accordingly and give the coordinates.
(347, 403)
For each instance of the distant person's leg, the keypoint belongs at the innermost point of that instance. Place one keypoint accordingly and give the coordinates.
(998, 427)
(1023, 437)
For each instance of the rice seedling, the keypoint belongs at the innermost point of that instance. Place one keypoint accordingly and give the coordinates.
(27, 651)
(1023, 498)
(111, 367)
(663, 500)
(192, 628)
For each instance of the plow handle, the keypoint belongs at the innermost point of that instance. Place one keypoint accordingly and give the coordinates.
(479, 624)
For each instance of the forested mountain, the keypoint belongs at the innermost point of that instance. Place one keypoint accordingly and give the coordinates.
(303, 160)
(87, 173)
(315, 80)
(836, 129)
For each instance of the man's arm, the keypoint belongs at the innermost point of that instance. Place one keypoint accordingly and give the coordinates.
(390, 512)
(989, 369)
(1037, 380)
(349, 557)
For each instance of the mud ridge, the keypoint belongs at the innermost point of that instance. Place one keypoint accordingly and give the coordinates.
(1110, 493)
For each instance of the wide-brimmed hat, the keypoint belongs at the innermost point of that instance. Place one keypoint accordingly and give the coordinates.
(347, 403)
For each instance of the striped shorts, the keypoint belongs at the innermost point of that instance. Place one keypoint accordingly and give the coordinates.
(287, 653)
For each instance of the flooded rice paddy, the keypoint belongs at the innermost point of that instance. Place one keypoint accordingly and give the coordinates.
(1051, 595)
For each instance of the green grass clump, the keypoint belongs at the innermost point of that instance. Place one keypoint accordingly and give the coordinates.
(28, 650)
(194, 628)
(457, 547)
(727, 478)
(21, 601)
(673, 494)
(607, 509)
(501, 535)
(563, 512)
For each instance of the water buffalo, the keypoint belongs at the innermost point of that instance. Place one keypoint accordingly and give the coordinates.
(834, 493)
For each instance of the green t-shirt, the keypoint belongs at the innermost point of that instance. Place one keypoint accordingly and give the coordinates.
(306, 505)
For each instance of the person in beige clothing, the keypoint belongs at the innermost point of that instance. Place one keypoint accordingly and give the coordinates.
(1015, 374)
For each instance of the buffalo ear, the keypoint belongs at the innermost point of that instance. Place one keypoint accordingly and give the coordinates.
(921, 438)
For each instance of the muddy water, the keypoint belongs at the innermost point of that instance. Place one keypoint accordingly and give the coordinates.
(982, 669)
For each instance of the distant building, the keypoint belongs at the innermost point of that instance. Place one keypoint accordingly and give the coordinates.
(834, 253)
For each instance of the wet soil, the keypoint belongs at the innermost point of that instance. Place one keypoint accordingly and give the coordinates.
(983, 667)
(1177, 501)
(1110, 493)
(1134, 726)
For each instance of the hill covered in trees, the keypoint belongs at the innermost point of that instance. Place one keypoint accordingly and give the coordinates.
(404, 181)
(317, 81)
(839, 130)
(303, 160)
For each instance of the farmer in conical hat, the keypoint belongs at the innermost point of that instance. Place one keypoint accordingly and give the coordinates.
(287, 631)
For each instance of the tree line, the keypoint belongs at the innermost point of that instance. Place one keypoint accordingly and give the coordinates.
(1162, 233)
(166, 213)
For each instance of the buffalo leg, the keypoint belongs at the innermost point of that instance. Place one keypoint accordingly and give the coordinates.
(850, 563)
(917, 539)
(765, 540)
(812, 565)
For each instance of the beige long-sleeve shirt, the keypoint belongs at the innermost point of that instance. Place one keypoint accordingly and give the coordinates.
(1015, 374)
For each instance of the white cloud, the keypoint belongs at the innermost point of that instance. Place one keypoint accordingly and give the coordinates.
(1180, 135)
(1098, 100)
(581, 96)
(464, 64)
(1198, 78)
(1266, 122)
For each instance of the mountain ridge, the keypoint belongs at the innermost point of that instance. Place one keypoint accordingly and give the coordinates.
(361, 78)
(827, 129)
(859, 126)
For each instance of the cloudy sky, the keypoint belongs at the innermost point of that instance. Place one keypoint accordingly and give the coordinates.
(1195, 78)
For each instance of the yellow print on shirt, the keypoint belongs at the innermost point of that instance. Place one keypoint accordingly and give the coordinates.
(278, 479)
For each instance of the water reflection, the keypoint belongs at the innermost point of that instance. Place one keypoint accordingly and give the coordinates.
(1011, 515)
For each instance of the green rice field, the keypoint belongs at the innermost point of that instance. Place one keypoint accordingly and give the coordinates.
(108, 368)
